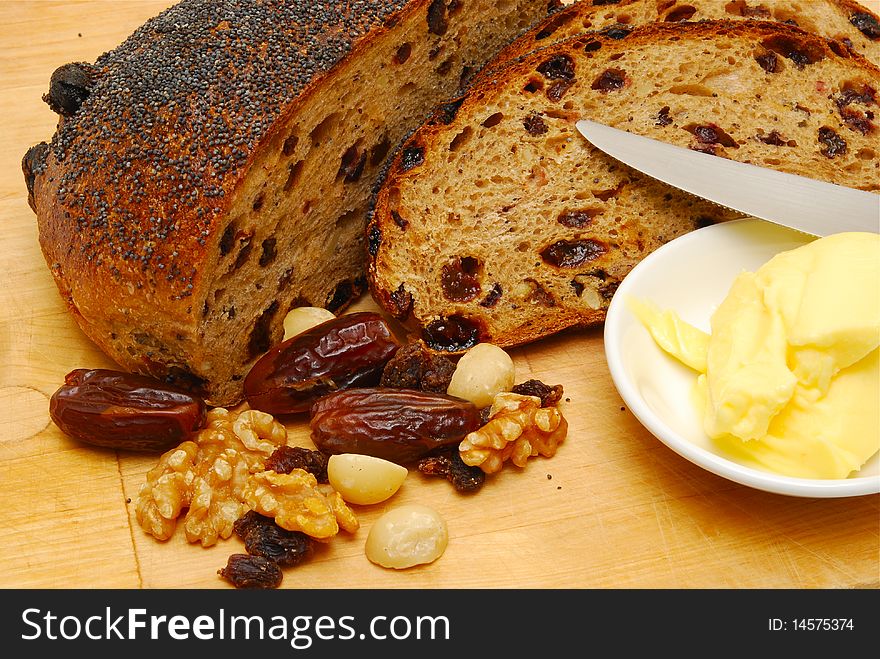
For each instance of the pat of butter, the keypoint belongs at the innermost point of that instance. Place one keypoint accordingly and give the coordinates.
(790, 375)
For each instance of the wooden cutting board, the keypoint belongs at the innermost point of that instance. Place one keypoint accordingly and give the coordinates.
(614, 508)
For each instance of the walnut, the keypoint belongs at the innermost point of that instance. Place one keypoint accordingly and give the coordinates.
(167, 491)
(298, 503)
(518, 428)
(207, 475)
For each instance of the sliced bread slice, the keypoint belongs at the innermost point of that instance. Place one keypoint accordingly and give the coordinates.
(848, 23)
(498, 222)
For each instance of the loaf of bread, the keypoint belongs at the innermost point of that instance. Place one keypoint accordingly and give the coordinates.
(847, 23)
(216, 168)
(498, 222)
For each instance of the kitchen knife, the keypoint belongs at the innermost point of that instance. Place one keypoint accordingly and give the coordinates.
(797, 202)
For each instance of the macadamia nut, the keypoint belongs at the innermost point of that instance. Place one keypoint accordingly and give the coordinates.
(300, 319)
(482, 372)
(405, 536)
(363, 479)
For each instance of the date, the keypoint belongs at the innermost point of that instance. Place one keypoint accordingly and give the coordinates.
(347, 351)
(400, 425)
(120, 410)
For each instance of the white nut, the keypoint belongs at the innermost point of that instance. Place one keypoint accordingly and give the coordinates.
(482, 372)
(300, 319)
(405, 536)
(363, 479)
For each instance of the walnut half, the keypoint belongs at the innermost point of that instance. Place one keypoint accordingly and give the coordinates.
(518, 428)
(207, 476)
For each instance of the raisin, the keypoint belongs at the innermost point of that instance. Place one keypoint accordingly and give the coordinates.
(573, 253)
(350, 350)
(557, 90)
(402, 54)
(579, 218)
(616, 32)
(534, 125)
(849, 95)
(832, 143)
(244, 524)
(559, 67)
(710, 149)
(711, 134)
(400, 425)
(460, 279)
(610, 80)
(120, 410)
(399, 220)
(768, 61)
(801, 53)
(774, 138)
(285, 459)
(663, 117)
(453, 334)
(402, 300)
(33, 163)
(416, 367)
(866, 24)
(412, 157)
(857, 121)
(549, 395)
(450, 466)
(492, 297)
(263, 537)
(69, 87)
(344, 293)
(246, 571)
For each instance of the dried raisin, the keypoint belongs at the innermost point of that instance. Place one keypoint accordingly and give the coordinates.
(549, 396)
(287, 458)
(246, 571)
(416, 367)
(450, 466)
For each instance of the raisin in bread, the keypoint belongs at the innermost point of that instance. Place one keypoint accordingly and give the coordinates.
(847, 23)
(499, 222)
(217, 167)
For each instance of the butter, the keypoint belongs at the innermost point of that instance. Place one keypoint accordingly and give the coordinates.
(789, 375)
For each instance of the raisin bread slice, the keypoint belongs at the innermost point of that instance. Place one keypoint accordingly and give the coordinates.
(217, 167)
(499, 222)
(847, 23)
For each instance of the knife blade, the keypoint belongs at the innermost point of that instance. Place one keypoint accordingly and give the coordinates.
(797, 202)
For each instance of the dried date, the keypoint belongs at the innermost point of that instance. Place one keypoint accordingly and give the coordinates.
(400, 425)
(246, 571)
(120, 410)
(348, 351)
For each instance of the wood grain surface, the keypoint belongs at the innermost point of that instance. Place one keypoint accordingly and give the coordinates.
(614, 508)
